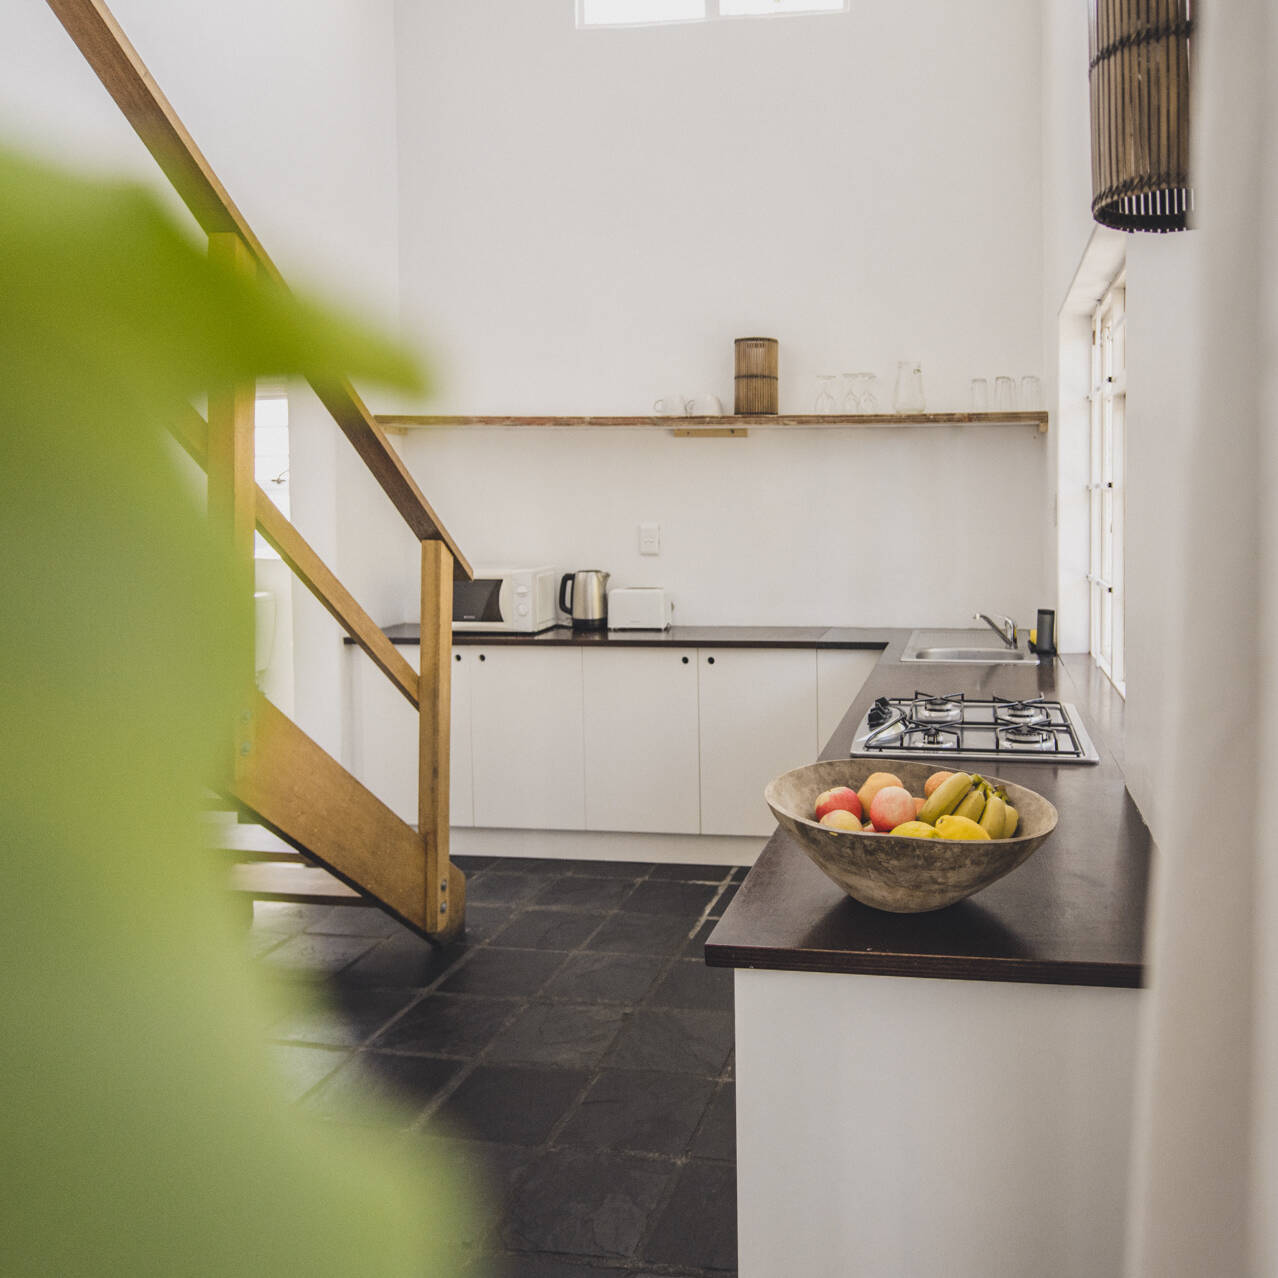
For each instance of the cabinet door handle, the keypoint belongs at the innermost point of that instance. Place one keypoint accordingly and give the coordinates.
(709, 661)
(457, 656)
(684, 660)
(482, 657)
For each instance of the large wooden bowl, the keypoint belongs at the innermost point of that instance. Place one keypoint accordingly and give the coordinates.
(903, 875)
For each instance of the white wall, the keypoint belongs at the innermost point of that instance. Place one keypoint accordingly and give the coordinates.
(1161, 356)
(293, 103)
(588, 219)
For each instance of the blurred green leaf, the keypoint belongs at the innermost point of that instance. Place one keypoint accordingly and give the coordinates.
(144, 1131)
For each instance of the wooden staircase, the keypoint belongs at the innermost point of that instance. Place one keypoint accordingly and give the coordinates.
(355, 848)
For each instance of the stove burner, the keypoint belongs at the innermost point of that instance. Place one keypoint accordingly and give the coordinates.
(1020, 712)
(933, 736)
(938, 710)
(1027, 737)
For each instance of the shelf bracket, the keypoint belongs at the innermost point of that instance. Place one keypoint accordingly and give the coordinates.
(722, 432)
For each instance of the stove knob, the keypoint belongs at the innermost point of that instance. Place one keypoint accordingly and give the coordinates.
(880, 713)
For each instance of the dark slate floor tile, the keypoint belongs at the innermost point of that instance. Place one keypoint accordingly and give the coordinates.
(691, 873)
(581, 892)
(493, 888)
(697, 1228)
(494, 970)
(641, 934)
(311, 953)
(724, 900)
(717, 1137)
(687, 900)
(739, 872)
(538, 929)
(345, 1018)
(469, 865)
(301, 1068)
(574, 1036)
(483, 922)
(605, 978)
(485, 1174)
(357, 920)
(696, 946)
(690, 983)
(513, 1105)
(448, 1025)
(374, 1087)
(256, 943)
(516, 1265)
(671, 1039)
(609, 869)
(644, 1111)
(597, 1205)
(406, 960)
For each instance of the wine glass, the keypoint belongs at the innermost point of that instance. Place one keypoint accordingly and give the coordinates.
(851, 397)
(867, 400)
(908, 397)
(825, 400)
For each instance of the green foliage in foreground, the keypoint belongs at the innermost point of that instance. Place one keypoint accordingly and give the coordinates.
(144, 1130)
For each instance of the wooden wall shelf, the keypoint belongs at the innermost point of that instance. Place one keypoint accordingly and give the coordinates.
(727, 425)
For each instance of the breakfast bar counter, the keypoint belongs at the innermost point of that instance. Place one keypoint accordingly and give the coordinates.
(951, 1093)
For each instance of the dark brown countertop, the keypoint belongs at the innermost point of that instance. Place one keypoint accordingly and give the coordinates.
(1073, 914)
(675, 637)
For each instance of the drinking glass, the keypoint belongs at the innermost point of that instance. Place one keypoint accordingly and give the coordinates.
(825, 400)
(980, 395)
(1031, 393)
(1004, 395)
(851, 396)
(908, 396)
(867, 396)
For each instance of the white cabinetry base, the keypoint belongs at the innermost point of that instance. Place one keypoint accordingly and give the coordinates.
(589, 845)
(895, 1127)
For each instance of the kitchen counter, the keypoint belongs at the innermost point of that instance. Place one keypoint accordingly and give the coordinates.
(674, 637)
(1074, 913)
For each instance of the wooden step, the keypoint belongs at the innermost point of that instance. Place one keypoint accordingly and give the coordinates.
(249, 843)
(305, 884)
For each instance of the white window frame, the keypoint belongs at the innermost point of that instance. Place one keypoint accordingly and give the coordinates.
(1107, 484)
(711, 12)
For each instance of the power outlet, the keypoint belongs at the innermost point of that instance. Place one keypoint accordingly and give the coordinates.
(650, 539)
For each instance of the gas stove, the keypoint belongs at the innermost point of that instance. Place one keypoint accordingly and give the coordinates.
(979, 729)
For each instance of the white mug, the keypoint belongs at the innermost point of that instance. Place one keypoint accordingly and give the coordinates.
(670, 406)
(704, 405)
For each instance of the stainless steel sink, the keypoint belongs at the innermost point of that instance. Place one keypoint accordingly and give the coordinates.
(962, 647)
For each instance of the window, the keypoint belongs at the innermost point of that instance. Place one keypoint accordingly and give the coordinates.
(1107, 482)
(635, 13)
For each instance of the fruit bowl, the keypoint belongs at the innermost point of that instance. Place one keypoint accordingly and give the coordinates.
(892, 872)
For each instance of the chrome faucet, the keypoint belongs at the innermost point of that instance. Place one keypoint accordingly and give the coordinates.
(1006, 631)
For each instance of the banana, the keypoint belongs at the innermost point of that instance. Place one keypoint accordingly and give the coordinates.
(1009, 827)
(994, 818)
(972, 805)
(945, 798)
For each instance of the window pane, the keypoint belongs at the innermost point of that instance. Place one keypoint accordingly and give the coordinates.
(607, 13)
(740, 8)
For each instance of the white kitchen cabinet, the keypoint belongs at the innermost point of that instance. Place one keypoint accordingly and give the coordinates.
(385, 729)
(840, 673)
(758, 718)
(527, 741)
(642, 765)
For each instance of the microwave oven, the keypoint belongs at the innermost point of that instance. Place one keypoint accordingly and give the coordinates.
(520, 600)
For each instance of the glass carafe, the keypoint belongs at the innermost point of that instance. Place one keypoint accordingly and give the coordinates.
(908, 397)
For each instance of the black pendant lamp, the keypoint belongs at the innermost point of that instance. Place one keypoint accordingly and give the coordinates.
(1139, 74)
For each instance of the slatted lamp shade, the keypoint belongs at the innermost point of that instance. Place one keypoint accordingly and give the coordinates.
(1139, 73)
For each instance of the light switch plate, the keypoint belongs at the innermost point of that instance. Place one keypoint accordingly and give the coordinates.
(650, 539)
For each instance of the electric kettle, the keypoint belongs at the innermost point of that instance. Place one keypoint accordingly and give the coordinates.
(584, 597)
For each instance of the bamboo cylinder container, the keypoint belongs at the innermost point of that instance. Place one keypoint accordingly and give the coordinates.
(755, 386)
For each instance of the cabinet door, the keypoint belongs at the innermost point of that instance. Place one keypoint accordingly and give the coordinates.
(840, 674)
(641, 740)
(758, 719)
(461, 789)
(385, 736)
(525, 708)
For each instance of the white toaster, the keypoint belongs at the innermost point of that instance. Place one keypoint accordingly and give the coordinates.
(639, 608)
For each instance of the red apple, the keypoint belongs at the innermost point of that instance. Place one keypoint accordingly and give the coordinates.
(841, 796)
(892, 806)
(840, 819)
(873, 784)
